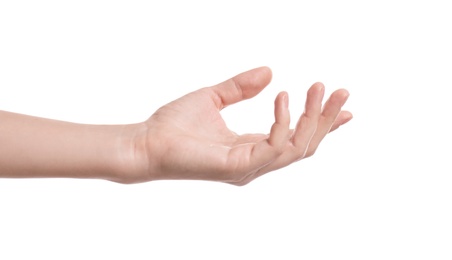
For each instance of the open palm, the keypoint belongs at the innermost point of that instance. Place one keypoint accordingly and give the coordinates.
(188, 139)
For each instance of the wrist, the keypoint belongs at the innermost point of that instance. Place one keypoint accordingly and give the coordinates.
(132, 162)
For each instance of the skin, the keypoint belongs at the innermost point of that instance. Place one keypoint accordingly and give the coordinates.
(185, 139)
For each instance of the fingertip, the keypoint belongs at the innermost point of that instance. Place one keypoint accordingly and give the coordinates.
(282, 115)
(253, 81)
(343, 118)
(242, 86)
(286, 99)
(317, 86)
(266, 70)
(283, 97)
(346, 92)
(340, 97)
(261, 75)
(347, 116)
(343, 93)
(284, 93)
(316, 91)
(314, 99)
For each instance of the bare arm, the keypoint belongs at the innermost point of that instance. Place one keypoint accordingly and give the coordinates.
(38, 147)
(185, 139)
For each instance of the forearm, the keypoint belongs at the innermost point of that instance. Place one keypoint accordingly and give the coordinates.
(39, 147)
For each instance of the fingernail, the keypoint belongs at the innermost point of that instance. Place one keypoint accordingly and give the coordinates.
(286, 100)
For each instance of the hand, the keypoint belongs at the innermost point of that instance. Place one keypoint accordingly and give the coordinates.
(188, 139)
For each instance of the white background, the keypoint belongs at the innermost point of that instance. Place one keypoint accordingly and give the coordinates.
(378, 188)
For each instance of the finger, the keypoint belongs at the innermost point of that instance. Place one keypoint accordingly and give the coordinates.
(342, 118)
(287, 157)
(330, 112)
(301, 136)
(252, 157)
(307, 124)
(243, 86)
(279, 133)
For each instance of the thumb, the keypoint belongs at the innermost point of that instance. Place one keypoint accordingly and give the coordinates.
(243, 86)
